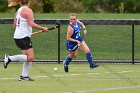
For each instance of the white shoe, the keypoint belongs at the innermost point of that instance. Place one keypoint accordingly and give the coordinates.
(6, 61)
(25, 78)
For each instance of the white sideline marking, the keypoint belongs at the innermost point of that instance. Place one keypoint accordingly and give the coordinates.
(124, 71)
(35, 77)
(92, 73)
(75, 74)
(60, 75)
(81, 75)
(107, 72)
(7, 78)
(103, 89)
(41, 76)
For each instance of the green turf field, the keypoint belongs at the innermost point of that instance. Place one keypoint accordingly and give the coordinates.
(80, 15)
(105, 41)
(80, 79)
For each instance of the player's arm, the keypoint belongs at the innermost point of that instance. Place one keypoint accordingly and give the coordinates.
(69, 34)
(28, 14)
(15, 21)
(14, 24)
(83, 27)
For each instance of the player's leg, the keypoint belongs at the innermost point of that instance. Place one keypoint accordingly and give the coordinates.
(66, 63)
(23, 44)
(86, 49)
(27, 65)
(72, 49)
(68, 59)
(27, 56)
(8, 59)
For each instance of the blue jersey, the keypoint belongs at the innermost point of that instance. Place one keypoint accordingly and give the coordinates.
(72, 46)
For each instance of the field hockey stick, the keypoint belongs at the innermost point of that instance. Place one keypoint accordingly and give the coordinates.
(54, 27)
(77, 46)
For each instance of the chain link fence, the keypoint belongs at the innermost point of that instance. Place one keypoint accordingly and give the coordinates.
(109, 40)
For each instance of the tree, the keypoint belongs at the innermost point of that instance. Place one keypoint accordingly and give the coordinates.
(36, 6)
(48, 6)
(3, 4)
(68, 6)
(112, 6)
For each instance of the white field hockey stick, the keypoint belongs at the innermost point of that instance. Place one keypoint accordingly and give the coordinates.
(54, 27)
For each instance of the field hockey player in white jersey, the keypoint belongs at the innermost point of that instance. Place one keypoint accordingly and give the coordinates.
(23, 23)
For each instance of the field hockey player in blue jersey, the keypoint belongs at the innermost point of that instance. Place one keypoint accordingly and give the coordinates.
(75, 42)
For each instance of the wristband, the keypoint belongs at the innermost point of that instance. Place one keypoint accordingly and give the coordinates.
(84, 28)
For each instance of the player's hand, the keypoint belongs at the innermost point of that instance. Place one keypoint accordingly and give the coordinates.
(45, 29)
(84, 32)
(79, 43)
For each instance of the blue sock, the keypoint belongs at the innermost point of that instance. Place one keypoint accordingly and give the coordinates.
(67, 61)
(89, 58)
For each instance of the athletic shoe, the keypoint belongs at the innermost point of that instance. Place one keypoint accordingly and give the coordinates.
(94, 66)
(25, 78)
(6, 61)
(66, 69)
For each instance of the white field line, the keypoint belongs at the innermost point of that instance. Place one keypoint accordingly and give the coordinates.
(41, 77)
(82, 75)
(92, 73)
(37, 77)
(125, 71)
(103, 89)
(107, 72)
(8, 78)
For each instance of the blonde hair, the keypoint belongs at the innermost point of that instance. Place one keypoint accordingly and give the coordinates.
(16, 2)
(13, 2)
(73, 14)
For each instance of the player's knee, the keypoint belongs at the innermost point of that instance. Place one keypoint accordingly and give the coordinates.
(30, 58)
(72, 56)
(87, 50)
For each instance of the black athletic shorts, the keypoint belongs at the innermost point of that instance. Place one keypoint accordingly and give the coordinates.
(24, 43)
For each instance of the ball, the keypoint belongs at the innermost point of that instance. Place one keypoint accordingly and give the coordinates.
(55, 69)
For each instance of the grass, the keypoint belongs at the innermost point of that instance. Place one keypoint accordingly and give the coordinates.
(107, 42)
(80, 79)
(88, 16)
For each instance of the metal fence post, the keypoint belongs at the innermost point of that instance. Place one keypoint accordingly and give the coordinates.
(59, 44)
(133, 44)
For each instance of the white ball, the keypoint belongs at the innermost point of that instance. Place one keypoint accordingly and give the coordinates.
(55, 69)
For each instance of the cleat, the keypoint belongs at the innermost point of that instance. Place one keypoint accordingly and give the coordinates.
(6, 61)
(66, 69)
(94, 66)
(25, 78)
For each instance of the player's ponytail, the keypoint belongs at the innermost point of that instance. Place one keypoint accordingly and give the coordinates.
(13, 2)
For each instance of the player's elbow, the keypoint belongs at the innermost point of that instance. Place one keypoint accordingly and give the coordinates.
(32, 24)
(68, 38)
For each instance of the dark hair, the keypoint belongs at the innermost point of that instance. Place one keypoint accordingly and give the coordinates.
(24, 2)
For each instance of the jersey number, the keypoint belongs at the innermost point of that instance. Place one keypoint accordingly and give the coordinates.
(17, 22)
(77, 35)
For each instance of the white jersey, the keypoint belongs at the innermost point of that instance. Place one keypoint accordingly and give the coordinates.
(23, 29)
